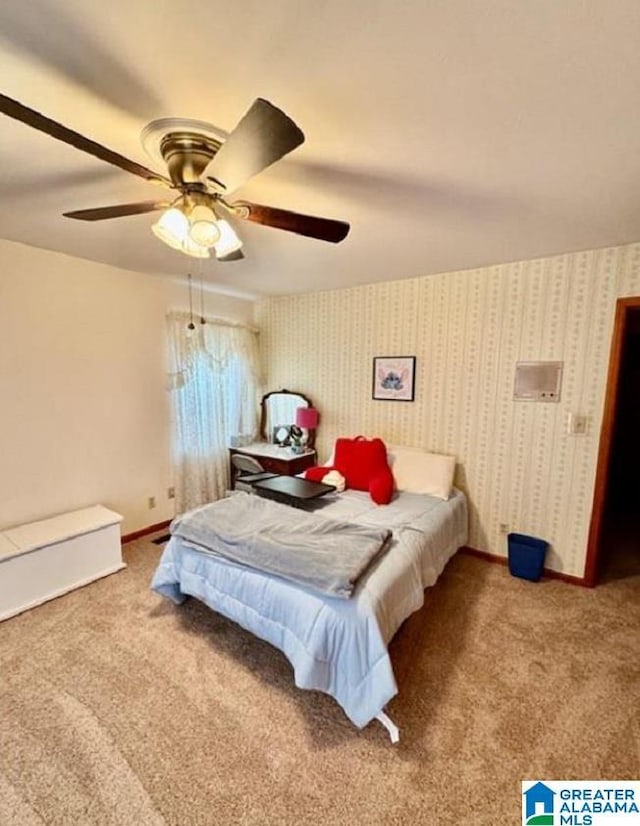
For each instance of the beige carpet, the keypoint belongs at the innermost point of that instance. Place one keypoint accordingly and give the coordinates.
(118, 708)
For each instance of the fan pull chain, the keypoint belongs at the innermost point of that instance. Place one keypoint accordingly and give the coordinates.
(202, 318)
(190, 325)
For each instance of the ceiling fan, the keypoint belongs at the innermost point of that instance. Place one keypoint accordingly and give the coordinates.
(204, 168)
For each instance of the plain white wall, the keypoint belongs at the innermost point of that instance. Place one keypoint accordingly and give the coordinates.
(84, 410)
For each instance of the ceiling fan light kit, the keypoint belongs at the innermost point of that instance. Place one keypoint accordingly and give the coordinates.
(194, 250)
(194, 229)
(172, 227)
(203, 228)
(229, 241)
(204, 167)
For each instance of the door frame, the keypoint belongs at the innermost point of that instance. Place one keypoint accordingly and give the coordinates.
(624, 306)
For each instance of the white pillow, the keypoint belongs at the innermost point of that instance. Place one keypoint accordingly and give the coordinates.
(417, 471)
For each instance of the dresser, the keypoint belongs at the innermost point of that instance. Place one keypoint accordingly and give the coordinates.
(275, 459)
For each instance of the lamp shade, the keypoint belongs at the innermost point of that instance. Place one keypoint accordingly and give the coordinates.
(228, 241)
(172, 228)
(307, 417)
(203, 229)
(194, 250)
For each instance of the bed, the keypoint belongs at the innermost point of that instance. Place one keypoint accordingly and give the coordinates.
(338, 646)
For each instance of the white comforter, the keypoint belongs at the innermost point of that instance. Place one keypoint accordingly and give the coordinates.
(337, 646)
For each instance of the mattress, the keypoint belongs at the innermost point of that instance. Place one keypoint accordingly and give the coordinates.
(335, 645)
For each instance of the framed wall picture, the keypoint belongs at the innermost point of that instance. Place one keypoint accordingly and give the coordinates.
(394, 378)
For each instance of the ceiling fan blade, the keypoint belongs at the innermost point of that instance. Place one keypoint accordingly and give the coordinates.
(264, 135)
(30, 117)
(325, 229)
(119, 211)
(236, 255)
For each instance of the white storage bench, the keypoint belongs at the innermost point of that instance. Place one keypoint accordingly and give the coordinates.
(45, 559)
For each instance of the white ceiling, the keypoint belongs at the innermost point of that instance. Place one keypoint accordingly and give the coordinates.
(450, 133)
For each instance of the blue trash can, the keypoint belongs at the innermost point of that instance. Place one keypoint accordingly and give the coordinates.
(526, 556)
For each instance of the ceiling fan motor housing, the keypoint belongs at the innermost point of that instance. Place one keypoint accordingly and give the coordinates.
(187, 154)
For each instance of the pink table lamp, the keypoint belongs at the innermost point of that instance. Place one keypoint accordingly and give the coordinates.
(307, 420)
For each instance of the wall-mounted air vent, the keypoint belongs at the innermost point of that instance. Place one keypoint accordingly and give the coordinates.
(538, 381)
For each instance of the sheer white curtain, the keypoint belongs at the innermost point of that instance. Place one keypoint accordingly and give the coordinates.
(214, 382)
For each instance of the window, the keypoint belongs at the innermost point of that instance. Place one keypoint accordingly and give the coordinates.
(214, 389)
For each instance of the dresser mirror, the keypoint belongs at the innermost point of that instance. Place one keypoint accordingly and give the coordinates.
(278, 417)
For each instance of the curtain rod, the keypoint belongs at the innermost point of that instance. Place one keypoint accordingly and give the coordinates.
(213, 319)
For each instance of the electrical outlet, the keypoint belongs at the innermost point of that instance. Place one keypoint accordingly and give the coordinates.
(171, 492)
(152, 502)
(504, 528)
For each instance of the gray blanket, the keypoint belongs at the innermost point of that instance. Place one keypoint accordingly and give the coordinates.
(326, 555)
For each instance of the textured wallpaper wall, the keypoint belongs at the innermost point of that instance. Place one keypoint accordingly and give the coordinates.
(516, 461)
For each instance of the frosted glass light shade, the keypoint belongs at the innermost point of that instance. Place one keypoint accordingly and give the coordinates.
(172, 228)
(228, 242)
(203, 229)
(189, 247)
